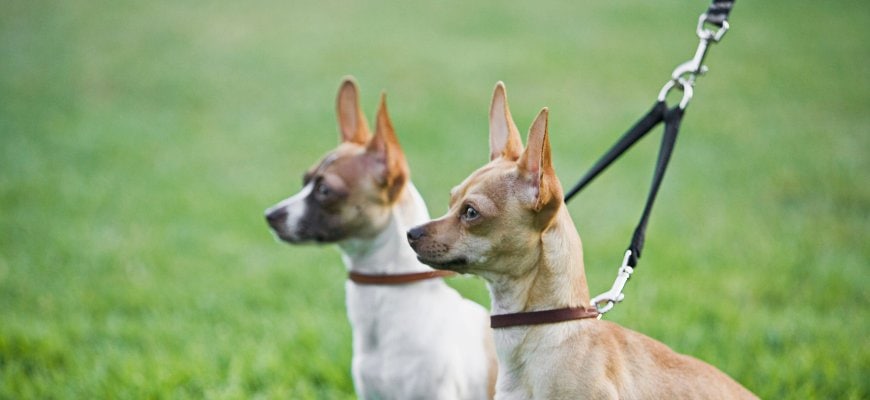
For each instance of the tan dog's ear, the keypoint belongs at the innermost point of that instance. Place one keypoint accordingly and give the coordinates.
(537, 165)
(384, 148)
(351, 120)
(504, 138)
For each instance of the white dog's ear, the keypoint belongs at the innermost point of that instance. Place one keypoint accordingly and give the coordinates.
(536, 165)
(385, 149)
(504, 138)
(351, 120)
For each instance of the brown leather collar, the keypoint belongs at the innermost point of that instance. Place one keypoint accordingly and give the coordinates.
(541, 317)
(397, 279)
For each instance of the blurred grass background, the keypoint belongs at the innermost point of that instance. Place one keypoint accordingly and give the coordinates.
(140, 142)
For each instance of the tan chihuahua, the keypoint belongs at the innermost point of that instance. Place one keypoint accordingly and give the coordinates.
(507, 223)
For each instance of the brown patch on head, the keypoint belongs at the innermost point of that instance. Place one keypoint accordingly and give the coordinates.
(350, 191)
(336, 184)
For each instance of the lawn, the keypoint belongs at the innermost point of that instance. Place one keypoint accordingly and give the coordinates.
(141, 141)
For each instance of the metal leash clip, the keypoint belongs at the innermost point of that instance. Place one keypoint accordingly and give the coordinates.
(685, 74)
(604, 302)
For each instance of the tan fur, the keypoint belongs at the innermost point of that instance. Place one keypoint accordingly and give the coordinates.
(522, 240)
(489, 345)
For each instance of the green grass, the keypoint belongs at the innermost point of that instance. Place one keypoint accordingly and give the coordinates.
(140, 142)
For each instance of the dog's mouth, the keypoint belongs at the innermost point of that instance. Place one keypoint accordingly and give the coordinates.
(303, 236)
(452, 265)
(303, 239)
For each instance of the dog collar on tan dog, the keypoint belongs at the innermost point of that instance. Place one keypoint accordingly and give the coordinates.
(541, 317)
(396, 279)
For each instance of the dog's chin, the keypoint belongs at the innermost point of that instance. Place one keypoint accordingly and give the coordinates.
(457, 264)
(298, 238)
(291, 238)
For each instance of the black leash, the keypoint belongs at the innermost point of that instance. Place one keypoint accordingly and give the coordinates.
(683, 78)
(643, 126)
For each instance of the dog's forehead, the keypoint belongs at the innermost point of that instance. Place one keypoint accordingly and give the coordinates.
(345, 161)
(490, 180)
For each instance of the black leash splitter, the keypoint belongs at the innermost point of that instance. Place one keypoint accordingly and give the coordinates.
(682, 78)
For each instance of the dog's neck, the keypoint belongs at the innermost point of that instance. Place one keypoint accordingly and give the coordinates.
(388, 251)
(555, 276)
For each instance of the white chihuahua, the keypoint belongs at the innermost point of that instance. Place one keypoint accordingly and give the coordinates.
(414, 337)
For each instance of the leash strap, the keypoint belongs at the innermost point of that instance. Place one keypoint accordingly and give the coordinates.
(659, 113)
(397, 279)
(718, 12)
(632, 136)
(672, 127)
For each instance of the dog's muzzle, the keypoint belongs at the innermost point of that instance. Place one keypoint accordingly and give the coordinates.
(276, 218)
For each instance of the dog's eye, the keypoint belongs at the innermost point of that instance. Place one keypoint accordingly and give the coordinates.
(321, 189)
(470, 213)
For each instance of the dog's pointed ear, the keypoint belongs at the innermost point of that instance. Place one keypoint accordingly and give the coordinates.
(536, 164)
(351, 120)
(385, 149)
(504, 138)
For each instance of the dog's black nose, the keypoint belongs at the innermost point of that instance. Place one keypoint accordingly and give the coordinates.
(276, 216)
(415, 234)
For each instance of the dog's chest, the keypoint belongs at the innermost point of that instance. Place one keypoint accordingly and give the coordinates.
(540, 363)
(400, 343)
(373, 314)
(389, 321)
